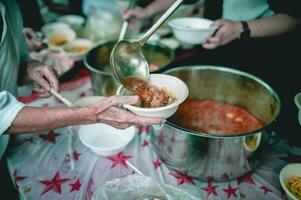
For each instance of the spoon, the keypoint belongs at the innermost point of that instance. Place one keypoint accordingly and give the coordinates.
(60, 97)
(125, 24)
(129, 64)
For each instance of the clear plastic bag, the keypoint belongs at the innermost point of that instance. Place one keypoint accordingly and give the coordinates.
(103, 21)
(137, 187)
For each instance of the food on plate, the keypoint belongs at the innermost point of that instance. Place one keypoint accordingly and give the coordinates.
(58, 40)
(77, 48)
(151, 96)
(214, 117)
(293, 184)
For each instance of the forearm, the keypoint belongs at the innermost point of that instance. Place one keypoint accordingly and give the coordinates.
(32, 119)
(272, 26)
(158, 6)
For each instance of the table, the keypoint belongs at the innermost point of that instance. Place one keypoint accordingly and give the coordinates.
(56, 165)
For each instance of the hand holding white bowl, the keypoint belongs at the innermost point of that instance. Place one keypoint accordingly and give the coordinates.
(172, 84)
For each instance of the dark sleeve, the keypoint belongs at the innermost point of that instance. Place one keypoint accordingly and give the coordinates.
(147, 2)
(290, 7)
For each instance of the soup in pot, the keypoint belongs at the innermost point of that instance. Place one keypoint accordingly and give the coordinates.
(214, 117)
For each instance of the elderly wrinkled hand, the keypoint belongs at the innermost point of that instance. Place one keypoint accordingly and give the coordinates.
(227, 32)
(108, 111)
(44, 76)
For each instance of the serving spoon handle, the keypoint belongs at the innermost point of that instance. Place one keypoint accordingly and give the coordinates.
(159, 23)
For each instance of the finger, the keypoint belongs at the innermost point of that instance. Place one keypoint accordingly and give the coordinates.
(115, 124)
(45, 94)
(115, 101)
(144, 120)
(38, 77)
(211, 43)
(51, 78)
(217, 23)
(126, 15)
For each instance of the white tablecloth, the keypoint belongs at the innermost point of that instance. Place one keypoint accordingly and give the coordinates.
(56, 165)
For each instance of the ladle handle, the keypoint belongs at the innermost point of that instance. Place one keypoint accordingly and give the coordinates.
(160, 21)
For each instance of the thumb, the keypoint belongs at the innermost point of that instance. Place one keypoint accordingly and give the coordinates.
(115, 101)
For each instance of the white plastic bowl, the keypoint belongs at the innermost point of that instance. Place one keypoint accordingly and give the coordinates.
(48, 29)
(172, 84)
(293, 169)
(74, 21)
(57, 39)
(102, 139)
(190, 30)
(105, 140)
(77, 43)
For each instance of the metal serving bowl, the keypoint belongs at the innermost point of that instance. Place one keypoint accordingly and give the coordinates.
(218, 157)
(98, 62)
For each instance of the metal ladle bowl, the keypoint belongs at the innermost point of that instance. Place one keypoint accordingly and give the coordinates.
(127, 59)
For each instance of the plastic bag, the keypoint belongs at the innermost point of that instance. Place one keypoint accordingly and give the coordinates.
(104, 21)
(137, 187)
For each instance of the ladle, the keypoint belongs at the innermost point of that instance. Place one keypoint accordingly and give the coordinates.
(129, 64)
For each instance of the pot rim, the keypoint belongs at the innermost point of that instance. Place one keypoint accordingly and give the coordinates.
(158, 44)
(235, 71)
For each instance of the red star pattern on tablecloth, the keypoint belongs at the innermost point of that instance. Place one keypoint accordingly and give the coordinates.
(75, 186)
(144, 129)
(82, 94)
(161, 139)
(210, 189)
(54, 184)
(50, 137)
(157, 163)
(225, 176)
(76, 155)
(145, 143)
(182, 178)
(119, 158)
(230, 191)
(18, 179)
(247, 179)
(265, 189)
(57, 100)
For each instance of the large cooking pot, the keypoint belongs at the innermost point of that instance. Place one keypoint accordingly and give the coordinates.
(218, 157)
(98, 62)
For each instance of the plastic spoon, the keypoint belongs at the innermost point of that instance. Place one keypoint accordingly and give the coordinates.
(125, 24)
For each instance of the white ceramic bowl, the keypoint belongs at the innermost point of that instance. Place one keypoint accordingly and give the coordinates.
(298, 104)
(102, 139)
(190, 30)
(57, 39)
(74, 51)
(105, 140)
(74, 21)
(172, 84)
(48, 29)
(293, 169)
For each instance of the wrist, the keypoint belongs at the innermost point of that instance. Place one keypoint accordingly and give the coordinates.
(87, 115)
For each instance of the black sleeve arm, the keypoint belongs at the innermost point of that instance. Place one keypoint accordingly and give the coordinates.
(290, 7)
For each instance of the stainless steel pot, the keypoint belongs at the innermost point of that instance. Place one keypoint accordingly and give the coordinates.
(218, 157)
(98, 62)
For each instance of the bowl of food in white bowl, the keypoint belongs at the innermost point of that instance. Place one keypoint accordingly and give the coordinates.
(164, 94)
(102, 139)
(77, 48)
(48, 29)
(57, 39)
(290, 180)
(191, 30)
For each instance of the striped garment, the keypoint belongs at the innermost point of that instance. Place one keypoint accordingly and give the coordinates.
(238, 10)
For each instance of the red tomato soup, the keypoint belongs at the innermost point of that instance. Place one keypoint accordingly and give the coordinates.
(214, 117)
